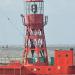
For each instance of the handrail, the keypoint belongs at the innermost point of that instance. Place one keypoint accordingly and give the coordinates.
(6, 60)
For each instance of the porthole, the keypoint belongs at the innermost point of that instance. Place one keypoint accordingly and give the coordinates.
(38, 69)
(49, 69)
(66, 55)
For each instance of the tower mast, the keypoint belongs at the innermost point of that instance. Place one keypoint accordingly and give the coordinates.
(35, 51)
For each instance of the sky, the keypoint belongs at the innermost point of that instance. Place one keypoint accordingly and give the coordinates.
(59, 30)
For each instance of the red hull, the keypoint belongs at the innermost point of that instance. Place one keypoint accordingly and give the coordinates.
(63, 64)
(18, 69)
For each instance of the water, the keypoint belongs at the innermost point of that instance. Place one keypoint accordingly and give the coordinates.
(15, 53)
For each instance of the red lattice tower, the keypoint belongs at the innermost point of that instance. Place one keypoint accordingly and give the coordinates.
(35, 51)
